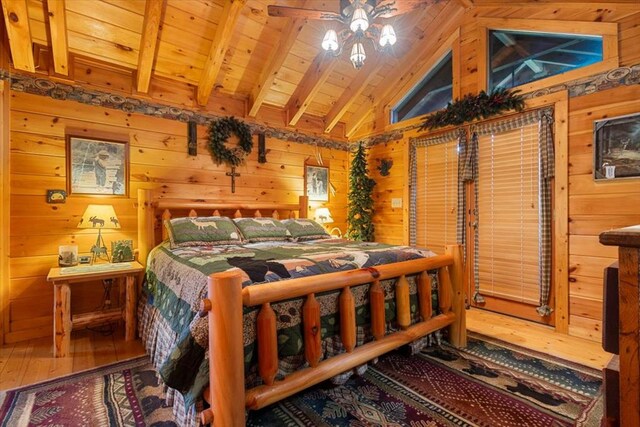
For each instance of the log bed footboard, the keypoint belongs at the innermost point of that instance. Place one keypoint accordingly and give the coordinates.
(226, 392)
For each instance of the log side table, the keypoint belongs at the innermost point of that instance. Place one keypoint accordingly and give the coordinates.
(64, 323)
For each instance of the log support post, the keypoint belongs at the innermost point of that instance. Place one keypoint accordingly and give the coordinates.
(312, 327)
(226, 361)
(267, 344)
(424, 296)
(458, 329)
(348, 319)
(376, 299)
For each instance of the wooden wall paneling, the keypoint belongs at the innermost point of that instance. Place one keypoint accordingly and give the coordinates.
(159, 161)
(5, 203)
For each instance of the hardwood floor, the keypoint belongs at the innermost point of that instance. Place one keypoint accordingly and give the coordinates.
(29, 362)
(537, 337)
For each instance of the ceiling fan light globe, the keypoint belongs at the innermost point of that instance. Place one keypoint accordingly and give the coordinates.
(388, 36)
(358, 55)
(360, 21)
(330, 41)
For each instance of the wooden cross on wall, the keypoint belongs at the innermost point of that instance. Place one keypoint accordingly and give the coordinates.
(233, 175)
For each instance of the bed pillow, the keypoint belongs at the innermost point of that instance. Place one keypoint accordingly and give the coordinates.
(305, 229)
(202, 231)
(261, 229)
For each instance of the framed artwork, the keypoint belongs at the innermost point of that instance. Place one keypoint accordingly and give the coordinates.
(316, 181)
(617, 147)
(97, 166)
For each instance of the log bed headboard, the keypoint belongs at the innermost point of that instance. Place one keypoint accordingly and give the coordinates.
(153, 211)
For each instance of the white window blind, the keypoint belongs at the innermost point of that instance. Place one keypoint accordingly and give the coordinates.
(436, 195)
(508, 199)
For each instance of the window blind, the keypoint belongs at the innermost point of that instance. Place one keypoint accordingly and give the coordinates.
(436, 195)
(508, 201)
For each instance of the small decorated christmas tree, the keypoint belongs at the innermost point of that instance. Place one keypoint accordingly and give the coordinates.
(360, 208)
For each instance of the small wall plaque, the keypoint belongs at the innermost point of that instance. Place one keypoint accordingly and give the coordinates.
(56, 196)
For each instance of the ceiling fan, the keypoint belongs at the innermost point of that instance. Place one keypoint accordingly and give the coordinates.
(358, 16)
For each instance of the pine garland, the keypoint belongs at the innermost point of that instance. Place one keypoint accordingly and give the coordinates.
(219, 133)
(473, 107)
(360, 206)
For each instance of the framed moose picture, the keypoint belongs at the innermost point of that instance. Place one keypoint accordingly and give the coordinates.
(97, 166)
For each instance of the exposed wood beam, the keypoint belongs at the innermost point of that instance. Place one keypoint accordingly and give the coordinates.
(57, 20)
(16, 20)
(270, 72)
(364, 76)
(441, 27)
(320, 69)
(150, 29)
(224, 32)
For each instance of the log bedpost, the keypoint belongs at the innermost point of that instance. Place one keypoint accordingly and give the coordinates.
(304, 206)
(145, 225)
(458, 329)
(226, 362)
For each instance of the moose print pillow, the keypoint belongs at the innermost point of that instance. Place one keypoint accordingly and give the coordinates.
(202, 231)
(262, 229)
(305, 229)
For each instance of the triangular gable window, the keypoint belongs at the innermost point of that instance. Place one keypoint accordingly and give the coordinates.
(433, 93)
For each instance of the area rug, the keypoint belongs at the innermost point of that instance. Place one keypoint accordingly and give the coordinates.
(123, 394)
(490, 383)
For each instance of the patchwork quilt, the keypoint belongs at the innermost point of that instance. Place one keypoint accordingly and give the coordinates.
(176, 336)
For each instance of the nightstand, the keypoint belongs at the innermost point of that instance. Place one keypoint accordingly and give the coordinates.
(64, 323)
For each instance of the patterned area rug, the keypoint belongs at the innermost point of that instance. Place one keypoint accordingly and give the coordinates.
(123, 394)
(490, 383)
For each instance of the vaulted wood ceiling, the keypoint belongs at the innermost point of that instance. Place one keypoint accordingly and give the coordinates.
(233, 48)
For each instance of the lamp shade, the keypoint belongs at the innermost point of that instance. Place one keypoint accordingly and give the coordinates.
(360, 21)
(330, 41)
(387, 36)
(358, 55)
(323, 216)
(99, 216)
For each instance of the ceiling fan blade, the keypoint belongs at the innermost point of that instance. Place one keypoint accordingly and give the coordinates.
(399, 7)
(296, 12)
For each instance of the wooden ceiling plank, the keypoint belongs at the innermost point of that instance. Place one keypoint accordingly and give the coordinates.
(224, 32)
(270, 72)
(16, 19)
(58, 35)
(311, 83)
(467, 4)
(149, 43)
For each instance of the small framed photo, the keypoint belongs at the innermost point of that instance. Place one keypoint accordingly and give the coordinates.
(316, 181)
(122, 251)
(97, 166)
(617, 147)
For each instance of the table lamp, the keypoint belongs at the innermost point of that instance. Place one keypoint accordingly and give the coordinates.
(99, 216)
(323, 216)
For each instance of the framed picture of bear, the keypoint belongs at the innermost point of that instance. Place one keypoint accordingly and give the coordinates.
(97, 166)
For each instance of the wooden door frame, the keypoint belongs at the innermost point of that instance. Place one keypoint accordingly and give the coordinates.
(560, 213)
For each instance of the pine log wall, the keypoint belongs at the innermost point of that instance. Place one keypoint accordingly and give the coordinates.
(158, 160)
(593, 207)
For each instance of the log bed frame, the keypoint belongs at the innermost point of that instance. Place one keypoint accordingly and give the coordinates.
(226, 393)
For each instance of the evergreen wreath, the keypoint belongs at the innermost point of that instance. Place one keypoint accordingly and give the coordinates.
(219, 132)
(472, 107)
